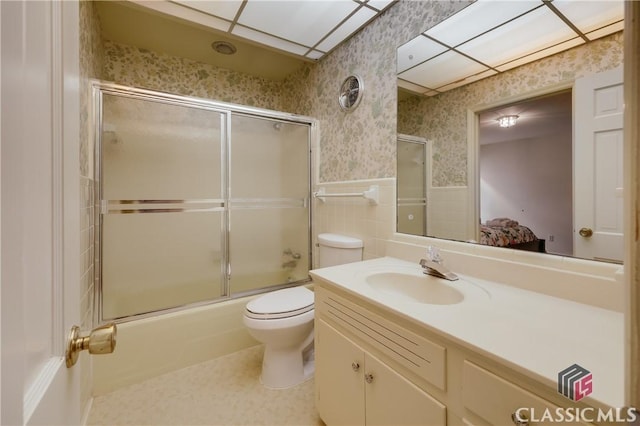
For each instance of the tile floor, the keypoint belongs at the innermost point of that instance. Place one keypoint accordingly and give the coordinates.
(224, 391)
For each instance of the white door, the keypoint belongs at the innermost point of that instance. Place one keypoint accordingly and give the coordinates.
(598, 146)
(40, 211)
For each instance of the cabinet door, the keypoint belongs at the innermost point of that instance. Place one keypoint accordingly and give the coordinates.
(393, 400)
(339, 377)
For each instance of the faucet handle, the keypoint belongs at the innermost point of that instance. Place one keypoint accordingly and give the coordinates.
(433, 254)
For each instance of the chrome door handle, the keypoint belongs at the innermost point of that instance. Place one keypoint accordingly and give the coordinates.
(101, 340)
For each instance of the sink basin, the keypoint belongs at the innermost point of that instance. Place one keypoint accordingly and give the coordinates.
(415, 288)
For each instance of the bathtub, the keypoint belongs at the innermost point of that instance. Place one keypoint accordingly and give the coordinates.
(153, 346)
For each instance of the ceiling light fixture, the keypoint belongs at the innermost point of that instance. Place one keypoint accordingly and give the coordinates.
(507, 120)
(224, 47)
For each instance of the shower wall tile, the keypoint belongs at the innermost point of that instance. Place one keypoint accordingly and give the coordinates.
(133, 66)
(356, 217)
(87, 253)
(91, 60)
(447, 212)
(87, 239)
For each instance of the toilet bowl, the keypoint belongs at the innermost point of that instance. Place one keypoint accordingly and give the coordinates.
(283, 321)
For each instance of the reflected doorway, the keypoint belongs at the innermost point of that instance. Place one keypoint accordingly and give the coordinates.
(525, 170)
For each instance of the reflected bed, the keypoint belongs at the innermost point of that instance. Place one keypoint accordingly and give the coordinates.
(517, 237)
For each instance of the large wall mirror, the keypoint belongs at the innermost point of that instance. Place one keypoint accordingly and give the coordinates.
(513, 112)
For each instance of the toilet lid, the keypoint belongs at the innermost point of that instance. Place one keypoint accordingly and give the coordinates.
(281, 303)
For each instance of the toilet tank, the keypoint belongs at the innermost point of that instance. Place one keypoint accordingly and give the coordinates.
(338, 249)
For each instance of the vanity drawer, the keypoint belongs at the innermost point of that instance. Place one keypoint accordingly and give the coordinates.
(496, 399)
(414, 352)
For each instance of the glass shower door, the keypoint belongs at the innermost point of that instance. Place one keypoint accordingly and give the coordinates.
(162, 205)
(412, 187)
(269, 206)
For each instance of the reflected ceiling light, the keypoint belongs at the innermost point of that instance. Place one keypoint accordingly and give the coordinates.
(507, 120)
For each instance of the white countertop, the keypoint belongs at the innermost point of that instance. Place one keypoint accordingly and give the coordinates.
(534, 334)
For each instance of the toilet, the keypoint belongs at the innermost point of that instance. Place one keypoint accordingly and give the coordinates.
(283, 319)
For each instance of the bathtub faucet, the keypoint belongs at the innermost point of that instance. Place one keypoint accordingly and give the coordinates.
(289, 252)
(293, 262)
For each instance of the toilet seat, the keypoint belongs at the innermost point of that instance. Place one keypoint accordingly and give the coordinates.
(285, 303)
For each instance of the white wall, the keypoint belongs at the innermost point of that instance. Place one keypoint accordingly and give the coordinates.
(529, 180)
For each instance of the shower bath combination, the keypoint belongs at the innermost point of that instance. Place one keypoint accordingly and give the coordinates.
(197, 201)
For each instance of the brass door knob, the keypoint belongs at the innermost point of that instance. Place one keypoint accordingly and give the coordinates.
(101, 340)
(519, 419)
(585, 232)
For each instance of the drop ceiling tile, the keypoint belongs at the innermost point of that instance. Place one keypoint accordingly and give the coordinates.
(379, 4)
(534, 31)
(431, 93)
(268, 40)
(314, 54)
(346, 29)
(591, 15)
(609, 29)
(182, 12)
(468, 80)
(304, 21)
(541, 54)
(416, 51)
(416, 88)
(226, 9)
(477, 18)
(442, 70)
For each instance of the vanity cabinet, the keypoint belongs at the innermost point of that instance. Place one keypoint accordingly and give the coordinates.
(497, 400)
(356, 388)
(374, 367)
(355, 383)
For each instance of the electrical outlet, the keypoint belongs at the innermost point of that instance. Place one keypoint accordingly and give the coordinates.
(551, 238)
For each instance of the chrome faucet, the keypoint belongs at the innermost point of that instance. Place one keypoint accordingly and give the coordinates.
(433, 265)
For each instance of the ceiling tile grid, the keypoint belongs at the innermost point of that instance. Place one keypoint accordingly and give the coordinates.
(491, 36)
(307, 28)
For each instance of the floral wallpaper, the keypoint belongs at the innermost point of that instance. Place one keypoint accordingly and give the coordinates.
(133, 66)
(362, 144)
(91, 62)
(443, 118)
(355, 145)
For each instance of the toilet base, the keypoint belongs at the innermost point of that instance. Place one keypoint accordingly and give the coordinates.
(282, 369)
